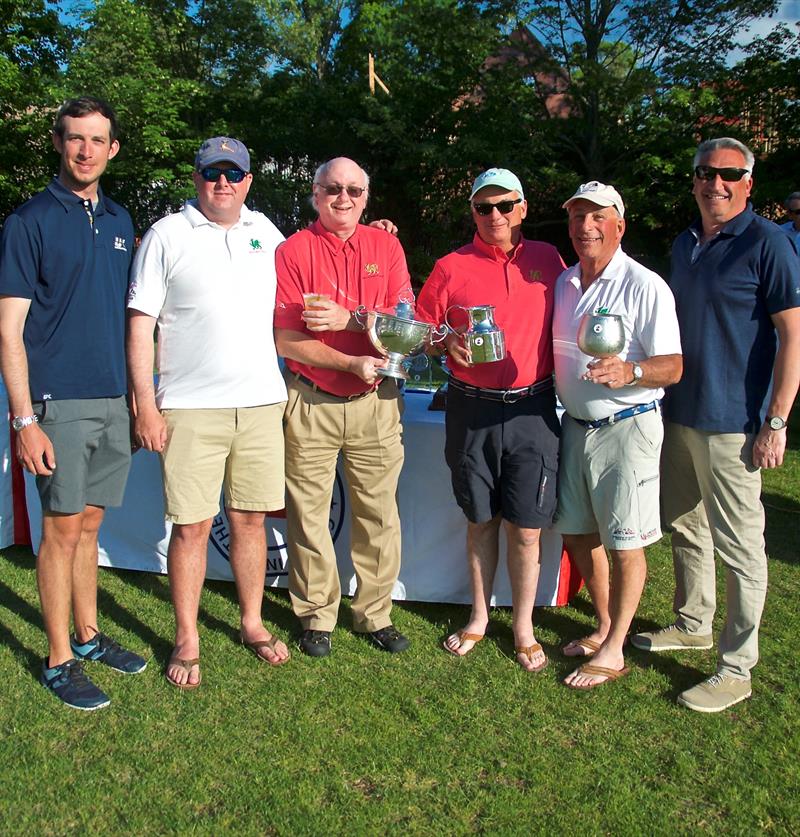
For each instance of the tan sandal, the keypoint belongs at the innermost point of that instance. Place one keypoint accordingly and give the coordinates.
(463, 637)
(256, 646)
(187, 665)
(610, 675)
(592, 644)
(529, 651)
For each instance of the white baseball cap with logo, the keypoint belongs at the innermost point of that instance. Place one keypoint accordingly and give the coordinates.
(599, 193)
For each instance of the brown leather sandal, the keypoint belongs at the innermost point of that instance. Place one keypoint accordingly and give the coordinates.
(529, 651)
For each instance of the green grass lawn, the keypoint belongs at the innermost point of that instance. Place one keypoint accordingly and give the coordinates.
(364, 743)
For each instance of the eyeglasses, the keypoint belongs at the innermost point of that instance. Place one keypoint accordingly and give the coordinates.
(335, 189)
(212, 174)
(728, 174)
(503, 207)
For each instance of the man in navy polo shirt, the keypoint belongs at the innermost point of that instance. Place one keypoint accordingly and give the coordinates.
(63, 278)
(736, 280)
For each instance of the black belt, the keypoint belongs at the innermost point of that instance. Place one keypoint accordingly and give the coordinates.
(507, 396)
(628, 412)
(343, 398)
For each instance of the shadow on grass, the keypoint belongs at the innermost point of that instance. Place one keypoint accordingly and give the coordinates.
(781, 530)
(13, 602)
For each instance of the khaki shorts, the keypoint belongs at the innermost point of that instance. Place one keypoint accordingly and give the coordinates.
(608, 481)
(237, 449)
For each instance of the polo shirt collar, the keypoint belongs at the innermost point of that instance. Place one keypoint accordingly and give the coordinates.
(610, 273)
(191, 211)
(333, 241)
(69, 199)
(496, 253)
(736, 226)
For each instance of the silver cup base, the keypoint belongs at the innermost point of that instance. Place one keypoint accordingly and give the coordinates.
(394, 368)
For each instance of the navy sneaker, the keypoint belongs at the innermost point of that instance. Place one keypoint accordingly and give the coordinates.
(102, 649)
(69, 684)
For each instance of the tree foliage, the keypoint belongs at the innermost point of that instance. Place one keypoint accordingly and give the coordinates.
(560, 91)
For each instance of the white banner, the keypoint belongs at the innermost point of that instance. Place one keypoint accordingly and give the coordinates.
(135, 536)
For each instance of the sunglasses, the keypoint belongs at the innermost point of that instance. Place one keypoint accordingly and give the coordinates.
(503, 207)
(335, 189)
(729, 174)
(212, 174)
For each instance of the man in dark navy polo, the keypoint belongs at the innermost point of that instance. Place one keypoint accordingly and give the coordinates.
(64, 265)
(736, 280)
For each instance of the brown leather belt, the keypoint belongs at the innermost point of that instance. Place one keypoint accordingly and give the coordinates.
(342, 398)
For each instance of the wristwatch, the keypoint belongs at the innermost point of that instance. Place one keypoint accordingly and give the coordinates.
(776, 422)
(637, 375)
(18, 422)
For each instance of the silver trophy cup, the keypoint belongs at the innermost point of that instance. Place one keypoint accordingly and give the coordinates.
(397, 338)
(601, 335)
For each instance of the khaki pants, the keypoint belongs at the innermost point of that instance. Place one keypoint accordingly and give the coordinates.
(712, 501)
(367, 431)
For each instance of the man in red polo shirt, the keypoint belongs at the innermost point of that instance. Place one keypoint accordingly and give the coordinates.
(339, 403)
(501, 425)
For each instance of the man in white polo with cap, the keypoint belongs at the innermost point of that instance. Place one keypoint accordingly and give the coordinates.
(611, 433)
(206, 277)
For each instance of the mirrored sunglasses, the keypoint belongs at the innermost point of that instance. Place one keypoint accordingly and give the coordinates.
(212, 174)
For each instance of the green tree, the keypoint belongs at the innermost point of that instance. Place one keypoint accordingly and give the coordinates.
(32, 44)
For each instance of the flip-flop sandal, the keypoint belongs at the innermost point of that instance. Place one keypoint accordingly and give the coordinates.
(529, 651)
(592, 644)
(187, 665)
(610, 674)
(463, 636)
(264, 643)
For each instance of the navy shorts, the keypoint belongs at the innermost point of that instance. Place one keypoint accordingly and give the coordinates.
(503, 458)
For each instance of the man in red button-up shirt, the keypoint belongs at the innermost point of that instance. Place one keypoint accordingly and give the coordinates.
(502, 429)
(338, 402)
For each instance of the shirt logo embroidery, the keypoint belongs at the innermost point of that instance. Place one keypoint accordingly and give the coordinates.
(255, 244)
(371, 269)
(47, 396)
(119, 244)
(535, 276)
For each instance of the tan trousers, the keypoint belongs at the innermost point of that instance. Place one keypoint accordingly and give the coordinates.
(711, 493)
(368, 433)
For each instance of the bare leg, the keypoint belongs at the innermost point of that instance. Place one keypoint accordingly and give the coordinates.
(84, 575)
(249, 565)
(628, 573)
(588, 553)
(523, 572)
(186, 566)
(482, 554)
(54, 569)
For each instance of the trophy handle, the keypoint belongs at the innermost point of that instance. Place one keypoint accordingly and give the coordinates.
(450, 329)
(438, 333)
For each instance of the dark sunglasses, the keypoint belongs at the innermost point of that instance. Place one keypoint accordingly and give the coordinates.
(212, 174)
(503, 207)
(335, 189)
(728, 174)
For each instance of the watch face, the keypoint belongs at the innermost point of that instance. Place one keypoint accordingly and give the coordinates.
(777, 423)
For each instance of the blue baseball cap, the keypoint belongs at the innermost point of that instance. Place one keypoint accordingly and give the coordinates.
(222, 149)
(497, 177)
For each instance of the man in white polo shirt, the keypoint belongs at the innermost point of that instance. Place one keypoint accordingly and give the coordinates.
(206, 277)
(611, 433)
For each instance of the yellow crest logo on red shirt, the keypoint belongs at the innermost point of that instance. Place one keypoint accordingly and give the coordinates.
(535, 276)
(371, 269)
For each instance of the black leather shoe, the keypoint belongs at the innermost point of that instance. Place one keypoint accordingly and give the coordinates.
(315, 643)
(389, 639)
